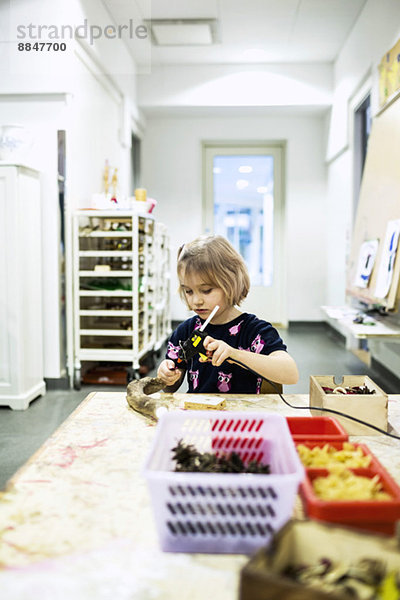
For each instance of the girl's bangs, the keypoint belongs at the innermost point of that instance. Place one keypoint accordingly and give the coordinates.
(199, 267)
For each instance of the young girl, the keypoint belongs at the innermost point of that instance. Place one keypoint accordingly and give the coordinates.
(211, 273)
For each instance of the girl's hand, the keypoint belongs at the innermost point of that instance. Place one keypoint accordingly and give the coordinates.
(168, 372)
(217, 350)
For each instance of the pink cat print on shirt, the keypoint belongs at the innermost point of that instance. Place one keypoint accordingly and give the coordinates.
(198, 324)
(194, 378)
(234, 330)
(257, 345)
(224, 381)
(172, 351)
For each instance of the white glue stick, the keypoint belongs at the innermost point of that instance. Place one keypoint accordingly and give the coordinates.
(210, 316)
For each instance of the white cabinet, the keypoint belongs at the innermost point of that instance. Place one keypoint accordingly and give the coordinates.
(115, 288)
(21, 346)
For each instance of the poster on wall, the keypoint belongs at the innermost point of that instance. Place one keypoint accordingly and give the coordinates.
(389, 74)
(389, 250)
(366, 261)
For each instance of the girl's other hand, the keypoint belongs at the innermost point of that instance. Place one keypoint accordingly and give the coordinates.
(217, 350)
(168, 372)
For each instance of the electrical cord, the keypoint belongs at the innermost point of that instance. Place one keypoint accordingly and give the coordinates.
(329, 410)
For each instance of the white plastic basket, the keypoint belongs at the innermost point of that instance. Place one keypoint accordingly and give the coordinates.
(222, 512)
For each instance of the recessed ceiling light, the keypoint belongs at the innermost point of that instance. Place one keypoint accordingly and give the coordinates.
(183, 32)
(245, 169)
(262, 189)
(217, 170)
(241, 184)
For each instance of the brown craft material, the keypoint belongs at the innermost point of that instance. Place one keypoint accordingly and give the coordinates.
(138, 398)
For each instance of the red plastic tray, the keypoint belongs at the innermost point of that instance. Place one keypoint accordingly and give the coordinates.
(374, 464)
(316, 428)
(370, 515)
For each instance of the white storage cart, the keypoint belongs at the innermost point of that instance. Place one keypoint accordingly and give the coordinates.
(162, 288)
(114, 289)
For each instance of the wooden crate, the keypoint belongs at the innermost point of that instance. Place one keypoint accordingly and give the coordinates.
(372, 408)
(306, 542)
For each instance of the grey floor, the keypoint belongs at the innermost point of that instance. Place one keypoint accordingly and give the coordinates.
(316, 349)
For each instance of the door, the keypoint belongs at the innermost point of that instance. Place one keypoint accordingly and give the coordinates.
(243, 201)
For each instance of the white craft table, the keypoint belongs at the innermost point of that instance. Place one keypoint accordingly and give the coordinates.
(76, 521)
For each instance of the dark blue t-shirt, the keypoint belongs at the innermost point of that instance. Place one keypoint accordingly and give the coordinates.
(245, 332)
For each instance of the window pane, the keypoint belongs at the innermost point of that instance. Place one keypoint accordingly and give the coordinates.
(244, 210)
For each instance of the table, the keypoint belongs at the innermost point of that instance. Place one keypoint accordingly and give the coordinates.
(76, 519)
(341, 318)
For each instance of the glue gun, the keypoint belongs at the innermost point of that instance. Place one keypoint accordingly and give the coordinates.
(195, 342)
(192, 346)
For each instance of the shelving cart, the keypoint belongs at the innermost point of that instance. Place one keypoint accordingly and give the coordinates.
(162, 311)
(116, 258)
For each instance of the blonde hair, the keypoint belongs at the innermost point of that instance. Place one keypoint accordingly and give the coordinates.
(217, 262)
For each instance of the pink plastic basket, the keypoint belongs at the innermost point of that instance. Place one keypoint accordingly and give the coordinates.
(222, 512)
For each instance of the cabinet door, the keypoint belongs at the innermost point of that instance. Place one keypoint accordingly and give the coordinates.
(8, 287)
(21, 344)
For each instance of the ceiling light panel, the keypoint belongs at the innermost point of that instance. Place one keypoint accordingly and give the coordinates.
(183, 32)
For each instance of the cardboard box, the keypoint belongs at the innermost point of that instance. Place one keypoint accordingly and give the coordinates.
(371, 408)
(306, 542)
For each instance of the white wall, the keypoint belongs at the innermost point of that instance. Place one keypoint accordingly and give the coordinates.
(43, 116)
(376, 31)
(179, 87)
(172, 168)
(187, 104)
(85, 91)
(338, 227)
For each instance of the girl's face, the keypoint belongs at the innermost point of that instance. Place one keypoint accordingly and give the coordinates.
(202, 297)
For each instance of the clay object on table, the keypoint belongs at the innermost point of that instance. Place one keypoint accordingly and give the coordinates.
(138, 396)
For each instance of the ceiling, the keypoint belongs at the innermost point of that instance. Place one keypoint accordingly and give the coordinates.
(249, 31)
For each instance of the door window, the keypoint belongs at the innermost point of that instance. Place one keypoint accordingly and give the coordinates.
(243, 210)
(244, 202)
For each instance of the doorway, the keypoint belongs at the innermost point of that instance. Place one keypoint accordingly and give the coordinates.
(61, 175)
(244, 202)
(362, 129)
(135, 174)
